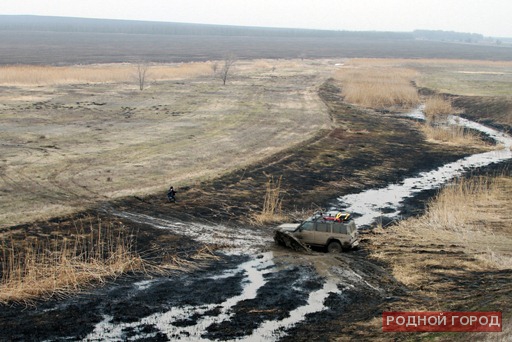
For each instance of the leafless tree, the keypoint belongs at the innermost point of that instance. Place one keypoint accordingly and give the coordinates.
(141, 74)
(228, 63)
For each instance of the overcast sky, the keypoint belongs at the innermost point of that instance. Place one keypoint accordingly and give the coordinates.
(487, 17)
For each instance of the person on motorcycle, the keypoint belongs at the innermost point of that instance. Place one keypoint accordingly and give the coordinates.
(171, 194)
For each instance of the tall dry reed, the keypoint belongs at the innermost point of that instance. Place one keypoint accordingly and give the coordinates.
(436, 127)
(39, 268)
(376, 87)
(472, 213)
(272, 209)
(451, 134)
(438, 108)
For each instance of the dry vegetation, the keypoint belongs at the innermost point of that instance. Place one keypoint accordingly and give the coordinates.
(473, 213)
(388, 84)
(455, 135)
(455, 254)
(372, 86)
(437, 129)
(450, 76)
(42, 266)
(438, 108)
(38, 268)
(23, 75)
(271, 211)
(71, 138)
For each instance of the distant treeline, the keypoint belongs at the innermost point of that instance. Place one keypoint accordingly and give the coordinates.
(449, 36)
(63, 24)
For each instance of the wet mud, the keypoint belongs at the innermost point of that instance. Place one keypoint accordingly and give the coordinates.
(252, 289)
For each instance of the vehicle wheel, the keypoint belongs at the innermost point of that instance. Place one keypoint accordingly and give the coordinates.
(334, 247)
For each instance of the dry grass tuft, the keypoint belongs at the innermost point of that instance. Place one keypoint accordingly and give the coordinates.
(376, 87)
(436, 128)
(271, 211)
(450, 134)
(438, 108)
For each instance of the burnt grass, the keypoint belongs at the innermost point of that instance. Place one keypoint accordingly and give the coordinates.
(489, 110)
(363, 149)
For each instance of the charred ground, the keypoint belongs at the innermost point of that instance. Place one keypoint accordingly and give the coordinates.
(364, 149)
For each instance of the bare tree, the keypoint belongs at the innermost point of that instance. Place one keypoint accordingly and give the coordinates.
(141, 74)
(228, 63)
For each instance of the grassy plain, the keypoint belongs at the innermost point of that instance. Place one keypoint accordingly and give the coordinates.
(75, 136)
(451, 76)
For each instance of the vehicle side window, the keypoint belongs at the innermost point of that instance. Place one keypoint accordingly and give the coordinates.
(340, 229)
(336, 228)
(308, 226)
(323, 227)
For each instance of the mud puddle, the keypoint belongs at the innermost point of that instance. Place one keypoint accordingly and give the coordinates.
(260, 297)
(232, 318)
(235, 239)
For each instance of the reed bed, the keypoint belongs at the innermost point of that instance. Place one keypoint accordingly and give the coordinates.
(378, 87)
(436, 128)
(455, 135)
(37, 268)
(28, 75)
(473, 213)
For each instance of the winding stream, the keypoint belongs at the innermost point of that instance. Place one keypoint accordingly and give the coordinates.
(371, 204)
(256, 272)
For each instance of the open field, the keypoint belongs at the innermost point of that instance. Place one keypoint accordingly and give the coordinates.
(67, 48)
(451, 76)
(65, 146)
(116, 149)
(78, 135)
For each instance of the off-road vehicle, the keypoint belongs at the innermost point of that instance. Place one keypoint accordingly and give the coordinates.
(333, 230)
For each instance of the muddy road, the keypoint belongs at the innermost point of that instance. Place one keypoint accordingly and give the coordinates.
(249, 289)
